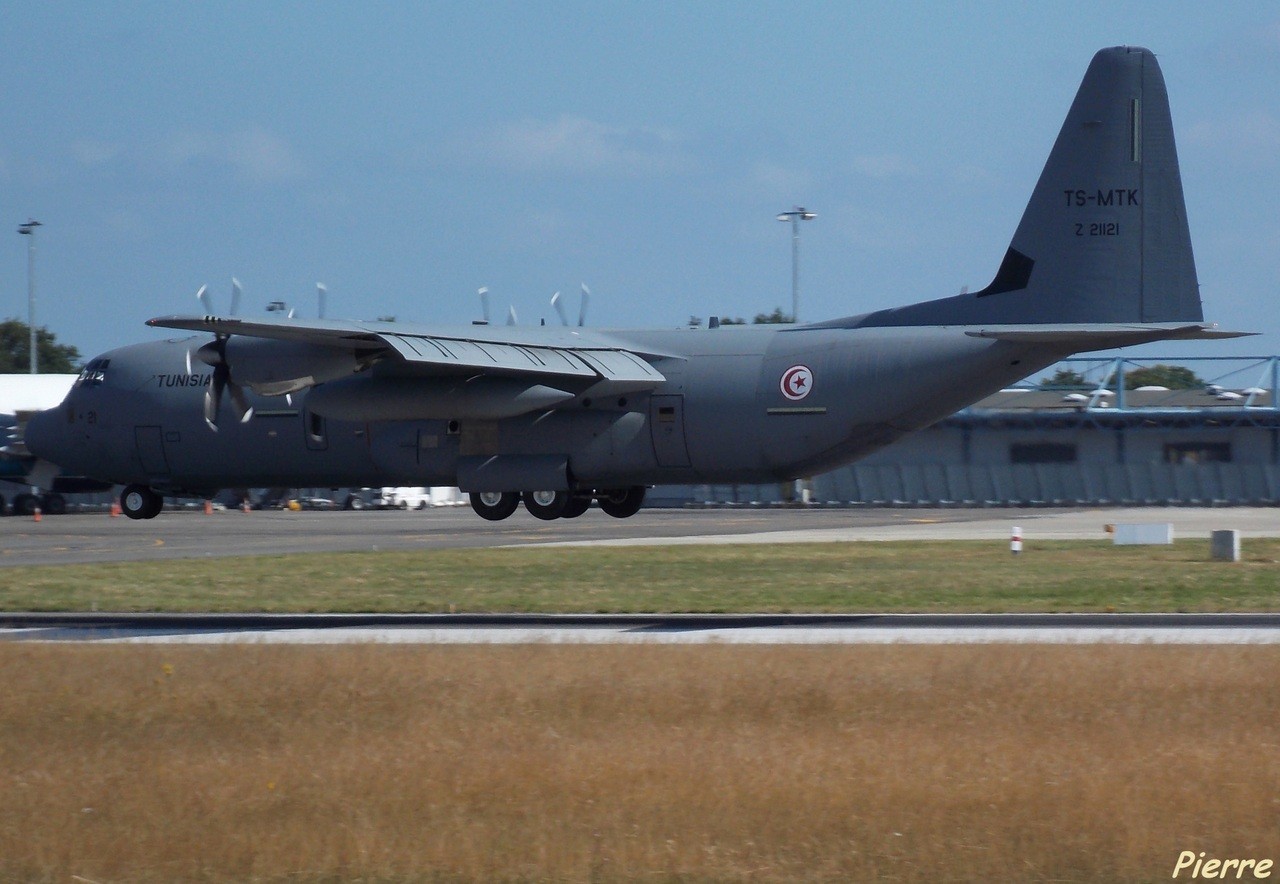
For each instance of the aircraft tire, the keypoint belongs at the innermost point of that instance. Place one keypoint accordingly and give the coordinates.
(494, 506)
(140, 502)
(25, 504)
(3, 511)
(624, 502)
(576, 507)
(546, 505)
(53, 504)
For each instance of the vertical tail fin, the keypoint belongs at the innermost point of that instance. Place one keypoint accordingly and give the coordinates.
(1104, 238)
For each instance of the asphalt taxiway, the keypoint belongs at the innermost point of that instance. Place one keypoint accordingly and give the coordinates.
(683, 629)
(91, 538)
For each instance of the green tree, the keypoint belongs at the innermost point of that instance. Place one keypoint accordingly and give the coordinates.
(1065, 379)
(15, 350)
(777, 317)
(1175, 377)
(729, 320)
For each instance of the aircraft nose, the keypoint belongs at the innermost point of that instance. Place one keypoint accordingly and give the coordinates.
(42, 435)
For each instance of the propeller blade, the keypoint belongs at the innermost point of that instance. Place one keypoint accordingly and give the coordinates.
(203, 297)
(213, 398)
(512, 319)
(188, 360)
(235, 296)
(322, 296)
(289, 315)
(582, 306)
(483, 292)
(243, 410)
(555, 302)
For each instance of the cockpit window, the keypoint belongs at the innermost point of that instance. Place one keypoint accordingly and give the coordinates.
(94, 373)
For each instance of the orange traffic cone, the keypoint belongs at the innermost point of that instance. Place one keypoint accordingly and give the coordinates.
(38, 515)
(115, 509)
(208, 508)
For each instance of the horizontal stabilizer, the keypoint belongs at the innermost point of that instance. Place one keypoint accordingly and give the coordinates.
(1103, 337)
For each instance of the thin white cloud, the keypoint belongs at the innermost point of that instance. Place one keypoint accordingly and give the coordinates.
(576, 144)
(1254, 135)
(885, 166)
(252, 153)
(778, 179)
(95, 153)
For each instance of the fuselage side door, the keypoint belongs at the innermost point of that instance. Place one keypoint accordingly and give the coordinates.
(150, 442)
(666, 418)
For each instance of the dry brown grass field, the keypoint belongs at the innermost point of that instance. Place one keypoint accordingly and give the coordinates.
(376, 763)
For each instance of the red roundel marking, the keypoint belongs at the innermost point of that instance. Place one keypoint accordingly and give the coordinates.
(796, 382)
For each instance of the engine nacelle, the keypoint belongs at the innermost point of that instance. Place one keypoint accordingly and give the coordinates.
(273, 368)
(402, 399)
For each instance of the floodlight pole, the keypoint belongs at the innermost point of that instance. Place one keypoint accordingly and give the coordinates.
(29, 230)
(795, 216)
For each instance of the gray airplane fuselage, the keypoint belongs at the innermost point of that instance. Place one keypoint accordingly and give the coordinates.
(722, 415)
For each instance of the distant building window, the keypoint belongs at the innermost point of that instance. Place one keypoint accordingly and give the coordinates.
(1042, 452)
(1197, 452)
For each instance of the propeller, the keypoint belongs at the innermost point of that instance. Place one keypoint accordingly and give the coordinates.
(483, 292)
(322, 297)
(512, 319)
(215, 354)
(582, 307)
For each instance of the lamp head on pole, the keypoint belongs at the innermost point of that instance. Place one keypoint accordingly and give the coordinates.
(30, 227)
(797, 214)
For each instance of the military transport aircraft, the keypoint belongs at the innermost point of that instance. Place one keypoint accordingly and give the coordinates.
(558, 416)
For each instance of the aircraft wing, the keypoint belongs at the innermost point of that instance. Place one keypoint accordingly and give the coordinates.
(539, 351)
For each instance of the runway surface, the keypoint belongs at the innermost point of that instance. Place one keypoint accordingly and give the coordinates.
(177, 535)
(578, 629)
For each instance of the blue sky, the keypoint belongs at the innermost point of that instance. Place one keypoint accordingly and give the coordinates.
(407, 153)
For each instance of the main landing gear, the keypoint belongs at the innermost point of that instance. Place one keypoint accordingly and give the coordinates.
(26, 504)
(548, 505)
(140, 502)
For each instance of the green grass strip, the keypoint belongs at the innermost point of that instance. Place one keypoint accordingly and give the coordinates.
(953, 576)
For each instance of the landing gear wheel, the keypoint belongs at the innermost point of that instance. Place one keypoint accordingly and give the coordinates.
(53, 504)
(25, 504)
(140, 502)
(494, 505)
(546, 505)
(576, 507)
(622, 503)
